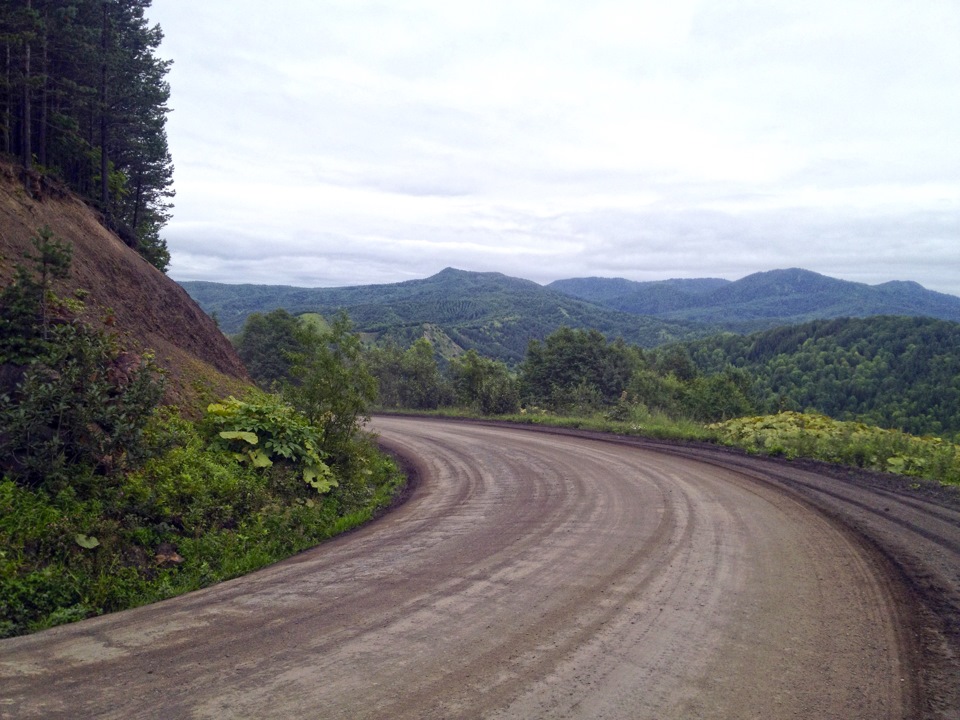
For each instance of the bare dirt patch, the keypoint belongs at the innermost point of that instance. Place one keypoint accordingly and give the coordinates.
(137, 300)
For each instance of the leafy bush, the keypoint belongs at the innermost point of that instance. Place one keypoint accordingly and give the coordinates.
(576, 369)
(408, 378)
(484, 385)
(265, 344)
(267, 430)
(78, 414)
(190, 516)
(793, 434)
(190, 490)
(331, 383)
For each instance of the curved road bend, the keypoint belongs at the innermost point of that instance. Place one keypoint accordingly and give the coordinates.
(536, 575)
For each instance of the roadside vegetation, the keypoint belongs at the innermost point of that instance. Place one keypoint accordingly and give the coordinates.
(787, 434)
(697, 391)
(809, 435)
(108, 501)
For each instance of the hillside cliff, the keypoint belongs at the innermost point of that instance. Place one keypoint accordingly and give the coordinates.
(145, 305)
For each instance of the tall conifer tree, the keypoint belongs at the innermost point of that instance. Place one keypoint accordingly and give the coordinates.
(84, 97)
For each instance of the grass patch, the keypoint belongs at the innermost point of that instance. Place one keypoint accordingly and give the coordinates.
(637, 421)
(642, 423)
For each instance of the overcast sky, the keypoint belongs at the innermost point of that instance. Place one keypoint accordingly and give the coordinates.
(345, 142)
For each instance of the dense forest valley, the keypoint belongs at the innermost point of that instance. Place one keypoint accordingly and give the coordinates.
(898, 369)
(148, 448)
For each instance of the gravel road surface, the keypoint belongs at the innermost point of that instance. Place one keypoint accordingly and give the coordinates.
(550, 575)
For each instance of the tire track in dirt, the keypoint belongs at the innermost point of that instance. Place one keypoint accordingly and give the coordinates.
(528, 575)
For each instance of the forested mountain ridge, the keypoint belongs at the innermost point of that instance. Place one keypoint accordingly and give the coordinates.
(489, 312)
(762, 300)
(640, 298)
(895, 372)
(498, 315)
(83, 101)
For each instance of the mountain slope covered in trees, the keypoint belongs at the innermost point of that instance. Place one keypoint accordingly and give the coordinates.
(895, 372)
(762, 300)
(498, 315)
(83, 101)
(494, 314)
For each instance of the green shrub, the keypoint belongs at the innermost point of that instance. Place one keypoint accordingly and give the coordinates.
(28, 306)
(484, 385)
(266, 430)
(192, 489)
(793, 434)
(73, 402)
(78, 414)
(68, 556)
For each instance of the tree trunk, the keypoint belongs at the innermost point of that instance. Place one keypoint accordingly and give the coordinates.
(44, 93)
(104, 127)
(138, 199)
(7, 101)
(26, 152)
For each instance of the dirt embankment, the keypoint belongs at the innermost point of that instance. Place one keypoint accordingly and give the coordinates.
(140, 301)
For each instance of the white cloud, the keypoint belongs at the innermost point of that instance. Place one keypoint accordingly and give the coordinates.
(375, 141)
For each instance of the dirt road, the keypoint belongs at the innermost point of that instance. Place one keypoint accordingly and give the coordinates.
(536, 575)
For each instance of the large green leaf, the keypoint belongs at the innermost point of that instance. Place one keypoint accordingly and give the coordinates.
(260, 459)
(249, 437)
(319, 477)
(87, 542)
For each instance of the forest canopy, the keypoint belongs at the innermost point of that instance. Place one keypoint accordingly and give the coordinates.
(894, 372)
(83, 99)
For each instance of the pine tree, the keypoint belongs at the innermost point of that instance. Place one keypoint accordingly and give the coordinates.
(83, 95)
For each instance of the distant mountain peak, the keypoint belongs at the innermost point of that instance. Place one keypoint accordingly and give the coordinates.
(499, 314)
(902, 285)
(763, 299)
(791, 275)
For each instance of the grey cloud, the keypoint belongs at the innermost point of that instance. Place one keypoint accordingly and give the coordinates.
(342, 143)
(622, 244)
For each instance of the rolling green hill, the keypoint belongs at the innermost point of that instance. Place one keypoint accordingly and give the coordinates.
(762, 300)
(498, 315)
(490, 312)
(895, 372)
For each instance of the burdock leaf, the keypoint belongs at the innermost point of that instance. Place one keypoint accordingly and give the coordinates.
(249, 437)
(88, 542)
